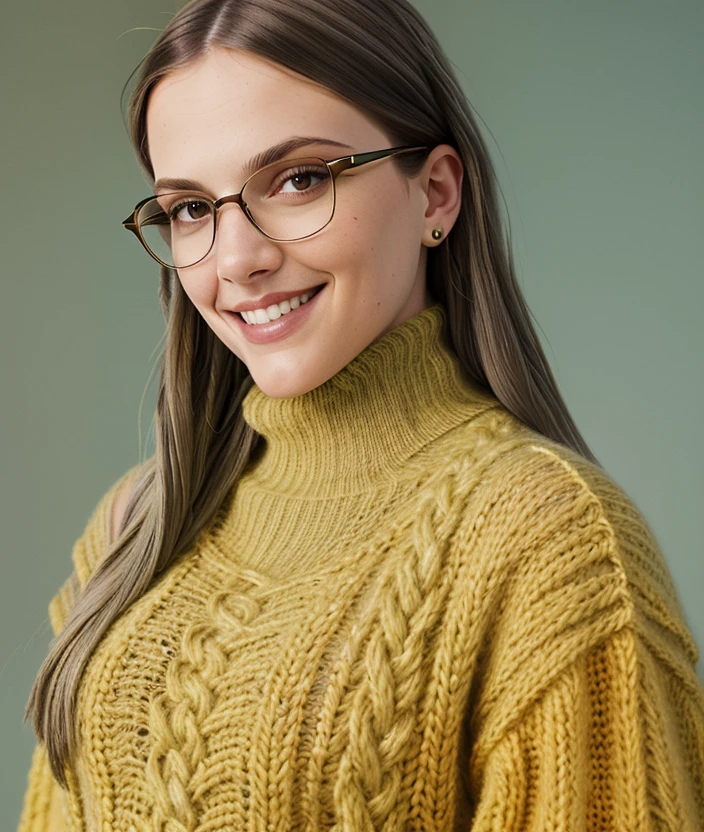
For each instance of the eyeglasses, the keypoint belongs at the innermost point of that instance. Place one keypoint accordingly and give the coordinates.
(178, 229)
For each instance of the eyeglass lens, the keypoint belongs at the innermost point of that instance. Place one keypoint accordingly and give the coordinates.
(287, 200)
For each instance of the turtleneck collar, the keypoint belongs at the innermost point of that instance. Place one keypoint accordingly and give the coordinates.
(359, 427)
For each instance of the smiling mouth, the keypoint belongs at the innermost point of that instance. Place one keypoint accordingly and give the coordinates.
(277, 310)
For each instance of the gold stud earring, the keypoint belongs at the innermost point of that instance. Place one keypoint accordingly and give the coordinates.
(437, 233)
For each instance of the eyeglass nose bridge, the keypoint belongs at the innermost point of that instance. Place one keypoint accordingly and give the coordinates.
(232, 198)
(237, 198)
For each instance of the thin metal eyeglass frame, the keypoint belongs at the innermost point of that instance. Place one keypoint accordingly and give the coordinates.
(335, 166)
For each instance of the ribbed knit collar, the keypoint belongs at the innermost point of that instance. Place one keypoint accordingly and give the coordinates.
(361, 426)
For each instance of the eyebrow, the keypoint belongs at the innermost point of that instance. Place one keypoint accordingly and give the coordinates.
(266, 157)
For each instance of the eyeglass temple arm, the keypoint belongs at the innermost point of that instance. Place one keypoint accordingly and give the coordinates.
(129, 222)
(358, 159)
(131, 225)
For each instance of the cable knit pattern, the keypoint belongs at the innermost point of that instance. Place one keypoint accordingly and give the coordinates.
(412, 613)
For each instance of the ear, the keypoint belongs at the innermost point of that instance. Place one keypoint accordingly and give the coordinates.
(441, 179)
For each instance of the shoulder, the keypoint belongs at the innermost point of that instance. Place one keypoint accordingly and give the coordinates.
(564, 510)
(527, 488)
(498, 466)
(92, 543)
(117, 501)
(558, 558)
(98, 531)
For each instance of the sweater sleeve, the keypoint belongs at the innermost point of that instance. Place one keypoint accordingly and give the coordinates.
(614, 743)
(45, 805)
(44, 808)
(588, 714)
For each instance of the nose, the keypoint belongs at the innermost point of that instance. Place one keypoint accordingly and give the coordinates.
(240, 249)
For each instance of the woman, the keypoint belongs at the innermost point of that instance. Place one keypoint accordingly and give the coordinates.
(373, 578)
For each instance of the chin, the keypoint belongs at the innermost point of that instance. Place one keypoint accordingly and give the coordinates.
(286, 388)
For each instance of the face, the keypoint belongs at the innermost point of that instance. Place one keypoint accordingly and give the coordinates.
(203, 123)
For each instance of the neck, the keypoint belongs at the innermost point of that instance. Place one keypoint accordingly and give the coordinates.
(362, 425)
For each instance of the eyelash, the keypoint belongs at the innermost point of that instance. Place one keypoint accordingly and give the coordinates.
(173, 210)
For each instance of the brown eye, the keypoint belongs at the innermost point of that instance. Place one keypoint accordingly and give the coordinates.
(302, 179)
(191, 210)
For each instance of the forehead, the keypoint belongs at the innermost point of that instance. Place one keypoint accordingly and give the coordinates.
(230, 104)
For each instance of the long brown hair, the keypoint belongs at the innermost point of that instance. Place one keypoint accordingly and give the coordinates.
(382, 56)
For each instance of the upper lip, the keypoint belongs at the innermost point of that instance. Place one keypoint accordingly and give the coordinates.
(268, 300)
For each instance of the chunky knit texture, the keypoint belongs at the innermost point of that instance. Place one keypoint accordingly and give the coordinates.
(413, 613)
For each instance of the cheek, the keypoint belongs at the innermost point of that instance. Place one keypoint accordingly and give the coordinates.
(389, 220)
(200, 289)
(368, 217)
(382, 231)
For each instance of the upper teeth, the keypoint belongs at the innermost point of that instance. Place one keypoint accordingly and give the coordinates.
(276, 310)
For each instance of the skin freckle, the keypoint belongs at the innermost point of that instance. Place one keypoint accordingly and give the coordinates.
(194, 125)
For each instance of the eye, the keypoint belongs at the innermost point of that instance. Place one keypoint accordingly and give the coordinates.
(302, 179)
(196, 209)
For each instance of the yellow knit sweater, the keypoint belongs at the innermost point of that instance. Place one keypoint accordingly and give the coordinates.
(414, 613)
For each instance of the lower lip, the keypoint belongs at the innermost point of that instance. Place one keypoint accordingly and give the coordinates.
(280, 328)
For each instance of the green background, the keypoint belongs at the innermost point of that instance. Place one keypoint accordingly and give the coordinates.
(594, 120)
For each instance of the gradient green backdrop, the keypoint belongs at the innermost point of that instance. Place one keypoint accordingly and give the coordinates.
(594, 120)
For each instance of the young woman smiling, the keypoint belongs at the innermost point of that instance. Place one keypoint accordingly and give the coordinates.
(372, 578)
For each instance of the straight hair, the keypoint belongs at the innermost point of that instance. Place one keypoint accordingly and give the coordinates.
(382, 56)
